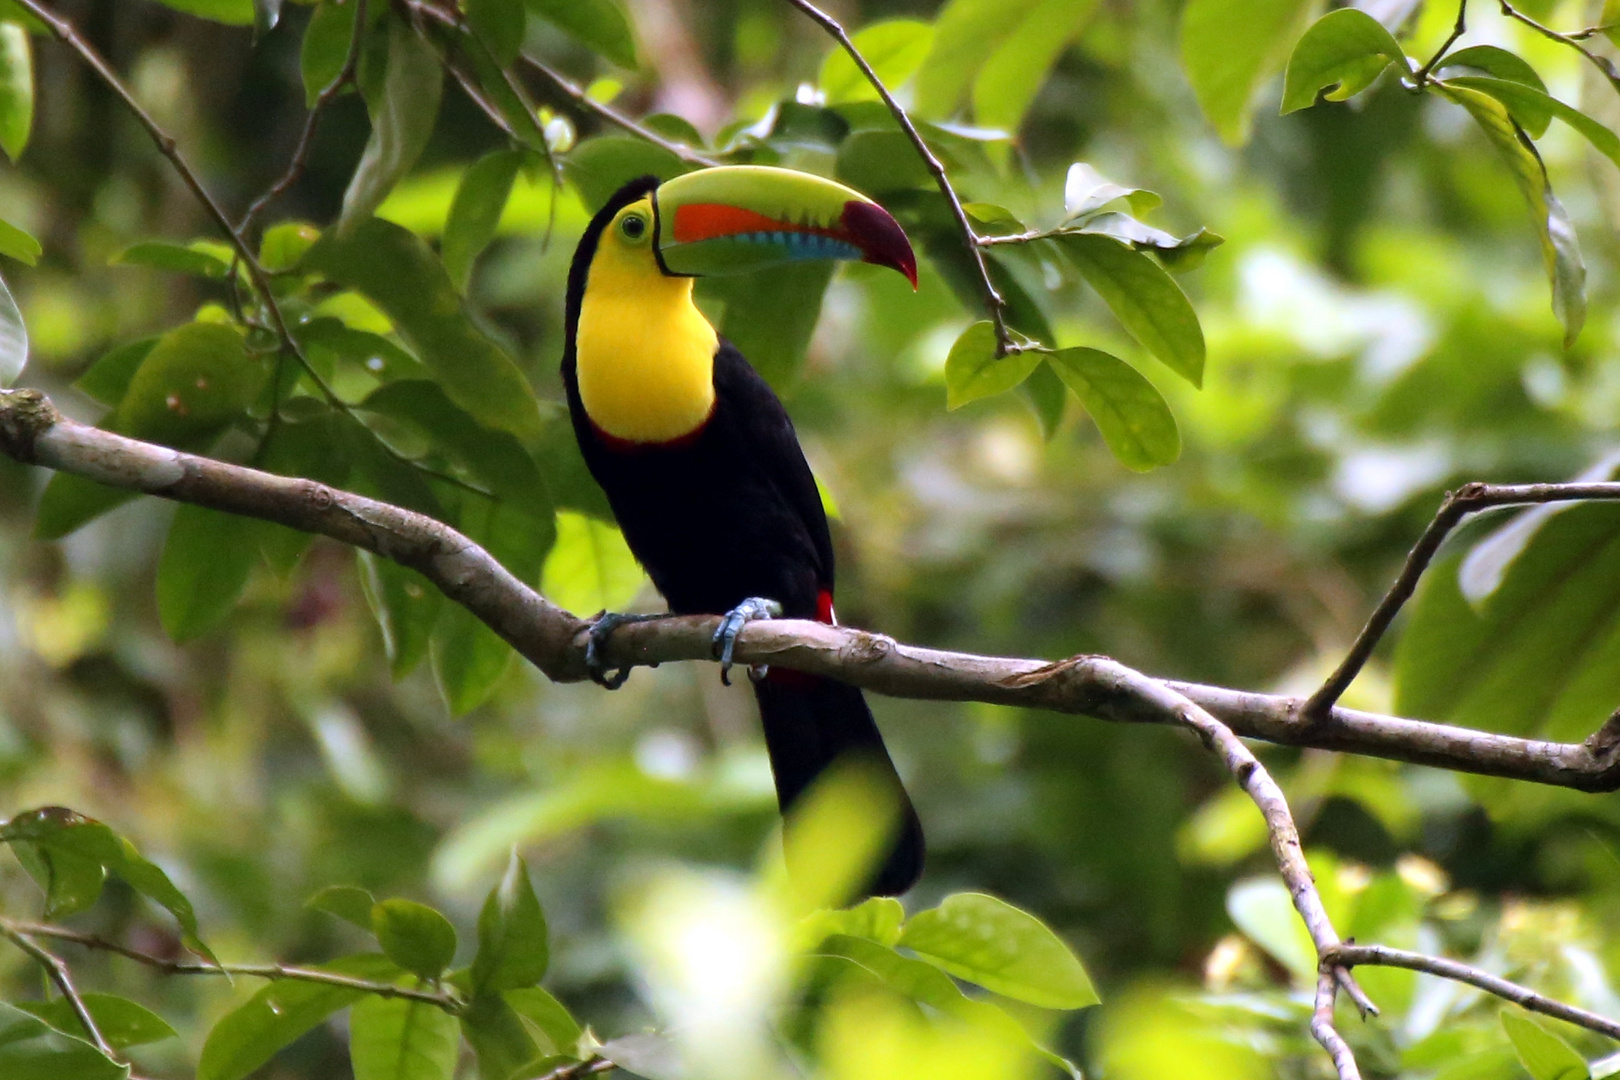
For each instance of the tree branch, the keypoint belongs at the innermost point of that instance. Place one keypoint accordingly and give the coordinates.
(58, 972)
(1523, 996)
(21, 931)
(992, 296)
(1602, 63)
(1468, 499)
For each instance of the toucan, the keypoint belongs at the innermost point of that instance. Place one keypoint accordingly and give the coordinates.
(697, 455)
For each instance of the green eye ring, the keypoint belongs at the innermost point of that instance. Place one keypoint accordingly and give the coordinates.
(633, 227)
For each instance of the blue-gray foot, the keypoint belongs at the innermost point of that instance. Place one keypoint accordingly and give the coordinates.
(725, 638)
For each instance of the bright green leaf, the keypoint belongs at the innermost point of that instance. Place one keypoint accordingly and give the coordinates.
(1175, 252)
(204, 567)
(512, 946)
(1230, 49)
(974, 371)
(1005, 950)
(399, 1039)
(249, 1035)
(1263, 909)
(414, 936)
(285, 243)
(1527, 104)
(1145, 299)
(1545, 1055)
(549, 1015)
(600, 24)
(72, 882)
(590, 568)
(966, 34)
(1085, 191)
(122, 1022)
(1346, 47)
(895, 48)
(17, 244)
(193, 259)
(480, 200)
(16, 89)
(1490, 60)
(231, 12)
(402, 119)
(30, 1049)
(498, 1035)
(348, 902)
(1012, 75)
(1132, 415)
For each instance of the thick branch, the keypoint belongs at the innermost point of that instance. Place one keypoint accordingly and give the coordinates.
(1353, 955)
(24, 931)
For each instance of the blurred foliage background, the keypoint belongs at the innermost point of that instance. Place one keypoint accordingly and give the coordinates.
(1378, 328)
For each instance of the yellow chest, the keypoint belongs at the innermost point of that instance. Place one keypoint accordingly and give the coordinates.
(644, 353)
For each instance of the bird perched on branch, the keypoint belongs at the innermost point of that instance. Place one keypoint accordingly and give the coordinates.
(697, 455)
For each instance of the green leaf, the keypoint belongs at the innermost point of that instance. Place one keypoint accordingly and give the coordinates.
(414, 936)
(1005, 950)
(231, 12)
(1347, 48)
(266, 14)
(498, 1036)
(966, 34)
(72, 883)
(204, 568)
(770, 314)
(31, 1049)
(512, 946)
(406, 606)
(16, 89)
(399, 1039)
(107, 380)
(480, 199)
(1529, 105)
(326, 45)
(1230, 49)
(590, 568)
(397, 272)
(1263, 909)
(548, 1014)
(123, 1023)
(1145, 299)
(1545, 1055)
(1175, 252)
(895, 48)
(1047, 398)
(974, 371)
(249, 1035)
(196, 259)
(1559, 250)
(284, 245)
(1491, 60)
(1540, 655)
(598, 167)
(54, 830)
(877, 918)
(881, 163)
(402, 119)
(1012, 75)
(598, 24)
(1085, 191)
(499, 25)
(350, 903)
(18, 244)
(1132, 415)
(13, 338)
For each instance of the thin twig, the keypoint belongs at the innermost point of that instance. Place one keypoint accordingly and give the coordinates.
(306, 140)
(994, 301)
(1458, 29)
(589, 1067)
(58, 972)
(257, 971)
(1324, 1031)
(1602, 63)
(1523, 996)
(1468, 499)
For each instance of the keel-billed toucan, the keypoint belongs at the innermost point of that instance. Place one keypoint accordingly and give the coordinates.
(696, 454)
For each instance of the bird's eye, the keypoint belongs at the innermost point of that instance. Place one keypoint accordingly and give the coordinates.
(633, 227)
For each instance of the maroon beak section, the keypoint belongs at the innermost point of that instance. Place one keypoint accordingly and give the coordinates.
(870, 228)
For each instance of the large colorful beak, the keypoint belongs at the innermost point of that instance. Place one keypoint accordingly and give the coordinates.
(737, 218)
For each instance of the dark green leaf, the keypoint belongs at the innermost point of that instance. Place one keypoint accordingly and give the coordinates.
(326, 45)
(414, 936)
(232, 12)
(204, 568)
(399, 1039)
(16, 89)
(895, 48)
(402, 119)
(13, 338)
(1545, 1055)
(498, 1037)
(330, 340)
(469, 659)
(180, 258)
(881, 162)
(1175, 252)
(674, 127)
(512, 946)
(1144, 298)
(599, 24)
(108, 379)
(406, 606)
(397, 272)
(480, 199)
(18, 244)
(72, 883)
(1005, 950)
(249, 1035)
(122, 1022)
(499, 25)
(309, 448)
(1347, 48)
(348, 902)
(1132, 415)
(54, 830)
(1559, 250)
(992, 220)
(770, 315)
(973, 370)
(1493, 61)
(1230, 48)
(547, 1014)
(31, 1049)
(1047, 397)
(1529, 105)
(598, 167)
(266, 14)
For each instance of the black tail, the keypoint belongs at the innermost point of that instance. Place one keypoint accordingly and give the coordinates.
(811, 722)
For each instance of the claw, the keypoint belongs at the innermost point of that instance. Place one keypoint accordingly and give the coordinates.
(602, 628)
(725, 638)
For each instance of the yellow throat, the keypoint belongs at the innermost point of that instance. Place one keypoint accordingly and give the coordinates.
(644, 353)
